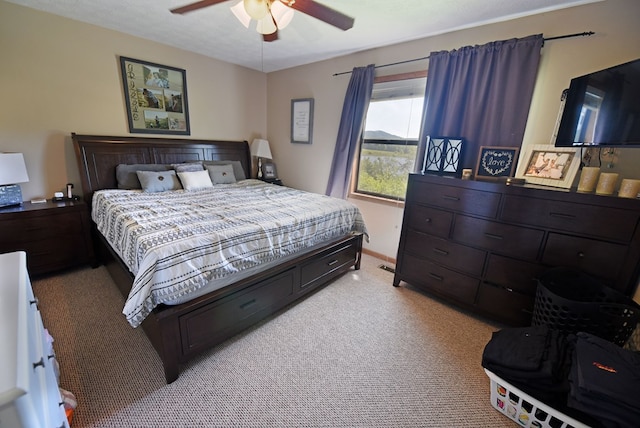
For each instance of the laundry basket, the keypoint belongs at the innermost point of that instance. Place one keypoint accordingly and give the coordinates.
(572, 301)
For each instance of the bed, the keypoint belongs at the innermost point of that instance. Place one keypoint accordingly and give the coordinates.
(182, 329)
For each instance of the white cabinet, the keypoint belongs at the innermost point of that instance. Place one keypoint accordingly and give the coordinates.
(29, 394)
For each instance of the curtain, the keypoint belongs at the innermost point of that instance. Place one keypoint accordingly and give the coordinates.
(481, 94)
(354, 109)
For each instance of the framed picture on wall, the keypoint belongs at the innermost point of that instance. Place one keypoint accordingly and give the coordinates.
(551, 166)
(496, 162)
(156, 97)
(302, 120)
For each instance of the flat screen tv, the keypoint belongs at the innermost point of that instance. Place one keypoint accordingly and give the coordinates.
(602, 109)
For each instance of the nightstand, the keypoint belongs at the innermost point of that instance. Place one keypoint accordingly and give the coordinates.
(55, 235)
(275, 181)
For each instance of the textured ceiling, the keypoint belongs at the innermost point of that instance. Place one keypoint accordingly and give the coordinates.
(215, 32)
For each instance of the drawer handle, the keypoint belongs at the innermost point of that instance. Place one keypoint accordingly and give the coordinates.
(492, 236)
(580, 255)
(247, 304)
(441, 252)
(561, 215)
(436, 277)
(332, 262)
(34, 301)
(427, 220)
(39, 363)
(451, 198)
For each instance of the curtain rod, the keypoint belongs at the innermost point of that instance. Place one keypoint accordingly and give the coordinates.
(585, 33)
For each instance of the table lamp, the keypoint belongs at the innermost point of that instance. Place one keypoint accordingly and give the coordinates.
(12, 171)
(260, 149)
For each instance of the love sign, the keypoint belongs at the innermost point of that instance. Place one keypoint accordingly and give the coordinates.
(495, 162)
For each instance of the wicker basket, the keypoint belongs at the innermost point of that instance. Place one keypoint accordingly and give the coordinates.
(571, 301)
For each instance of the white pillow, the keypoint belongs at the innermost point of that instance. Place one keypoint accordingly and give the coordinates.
(221, 174)
(195, 180)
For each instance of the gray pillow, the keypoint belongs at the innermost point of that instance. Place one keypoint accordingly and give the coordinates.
(158, 181)
(221, 174)
(238, 171)
(188, 166)
(127, 178)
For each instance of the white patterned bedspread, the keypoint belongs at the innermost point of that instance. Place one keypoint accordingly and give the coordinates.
(176, 242)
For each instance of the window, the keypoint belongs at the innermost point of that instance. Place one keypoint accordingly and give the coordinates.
(390, 142)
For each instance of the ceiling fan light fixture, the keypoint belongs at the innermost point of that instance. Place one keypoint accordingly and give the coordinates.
(256, 9)
(240, 13)
(281, 14)
(266, 25)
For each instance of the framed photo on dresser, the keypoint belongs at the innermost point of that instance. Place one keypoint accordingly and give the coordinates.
(550, 166)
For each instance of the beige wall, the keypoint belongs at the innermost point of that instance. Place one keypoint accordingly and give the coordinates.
(307, 166)
(60, 76)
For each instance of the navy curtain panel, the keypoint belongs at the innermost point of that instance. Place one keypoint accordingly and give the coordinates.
(481, 94)
(354, 109)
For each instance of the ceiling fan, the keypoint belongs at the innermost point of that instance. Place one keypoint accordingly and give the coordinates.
(274, 15)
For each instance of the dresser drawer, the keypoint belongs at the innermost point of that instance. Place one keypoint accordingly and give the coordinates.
(456, 256)
(425, 274)
(458, 199)
(507, 305)
(510, 240)
(39, 227)
(602, 259)
(430, 220)
(232, 311)
(605, 222)
(328, 264)
(513, 274)
(44, 255)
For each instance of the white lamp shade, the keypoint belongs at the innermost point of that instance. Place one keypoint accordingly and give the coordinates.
(281, 13)
(266, 25)
(12, 169)
(240, 13)
(260, 148)
(257, 9)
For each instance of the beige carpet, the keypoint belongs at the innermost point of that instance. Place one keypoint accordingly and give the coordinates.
(359, 353)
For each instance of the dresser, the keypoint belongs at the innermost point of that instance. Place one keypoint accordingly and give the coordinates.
(480, 245)
(55, 235)
(29, 394)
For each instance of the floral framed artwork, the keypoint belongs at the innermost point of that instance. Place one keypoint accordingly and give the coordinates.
(551, 166)
(156, 97)
(496, 162)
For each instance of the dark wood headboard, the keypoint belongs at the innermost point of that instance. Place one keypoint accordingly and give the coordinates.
(98, 156)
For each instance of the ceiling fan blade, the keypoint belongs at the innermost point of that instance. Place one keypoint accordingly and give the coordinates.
(322, 12)
(195, 6)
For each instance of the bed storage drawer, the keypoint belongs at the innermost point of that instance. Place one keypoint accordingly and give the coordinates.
(335, 261)
(233, 313)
